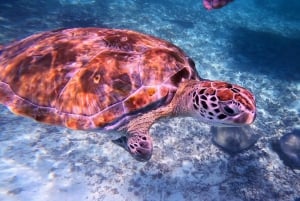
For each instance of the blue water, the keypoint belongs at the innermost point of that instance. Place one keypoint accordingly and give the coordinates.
(252, 43)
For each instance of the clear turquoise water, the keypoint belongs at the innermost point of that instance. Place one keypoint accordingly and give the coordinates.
(250, 42)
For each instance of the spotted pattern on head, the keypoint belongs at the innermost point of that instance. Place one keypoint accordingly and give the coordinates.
(222, 103)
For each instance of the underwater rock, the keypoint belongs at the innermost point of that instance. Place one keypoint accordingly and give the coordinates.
(289, 151)
(214, 4)
(234, 139)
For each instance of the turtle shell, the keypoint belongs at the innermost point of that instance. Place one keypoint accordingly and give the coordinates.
(86, 78)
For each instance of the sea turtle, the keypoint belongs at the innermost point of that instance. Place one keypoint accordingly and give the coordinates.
(89, 78)
(214, 4)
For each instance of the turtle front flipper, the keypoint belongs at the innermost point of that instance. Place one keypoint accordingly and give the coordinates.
(139, 145)
(138, 141)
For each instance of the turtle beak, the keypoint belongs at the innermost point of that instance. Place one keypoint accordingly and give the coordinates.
(245, 118)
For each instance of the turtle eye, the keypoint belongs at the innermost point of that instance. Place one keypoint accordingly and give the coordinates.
(230, 108)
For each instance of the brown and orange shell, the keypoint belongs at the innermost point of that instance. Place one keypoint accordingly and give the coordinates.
(86, 78)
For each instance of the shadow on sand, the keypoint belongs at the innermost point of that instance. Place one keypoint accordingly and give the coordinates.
(267, 53)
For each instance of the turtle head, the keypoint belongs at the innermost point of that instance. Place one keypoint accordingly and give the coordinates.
(220, 103)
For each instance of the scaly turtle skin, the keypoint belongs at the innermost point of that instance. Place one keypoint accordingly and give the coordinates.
(88, 78)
